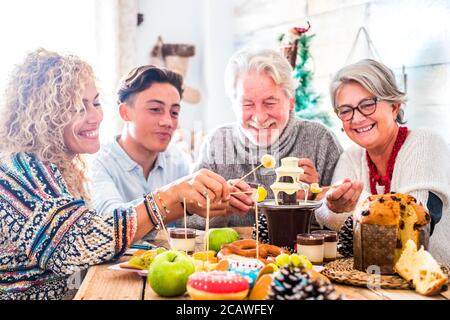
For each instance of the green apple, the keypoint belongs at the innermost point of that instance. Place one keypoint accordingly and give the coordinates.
(169, 272)
(160, 250)
(218, 237)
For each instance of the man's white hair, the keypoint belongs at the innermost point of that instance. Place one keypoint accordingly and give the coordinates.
(267, 61)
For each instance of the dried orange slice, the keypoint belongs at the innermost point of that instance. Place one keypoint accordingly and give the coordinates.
(201, 255)
(261, 288)
(261, 193)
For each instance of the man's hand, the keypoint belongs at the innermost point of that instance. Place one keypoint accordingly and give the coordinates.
(240, 203)
(310, 175)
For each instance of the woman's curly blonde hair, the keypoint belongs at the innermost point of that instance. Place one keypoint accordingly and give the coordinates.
(44, 94)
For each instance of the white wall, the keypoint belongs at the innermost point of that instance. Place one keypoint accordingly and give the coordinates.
(413, 35)
(202, 23)
(410, 33)
(177, 22)
(26, 25)
(219, 45)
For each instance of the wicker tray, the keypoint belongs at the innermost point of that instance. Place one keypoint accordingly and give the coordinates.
(342, 271)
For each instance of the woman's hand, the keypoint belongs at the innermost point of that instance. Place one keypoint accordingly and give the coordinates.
(194, 189)
(239, 203)
(344, 197)
(197, 186)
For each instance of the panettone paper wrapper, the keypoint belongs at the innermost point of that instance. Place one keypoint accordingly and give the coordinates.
(374, 246)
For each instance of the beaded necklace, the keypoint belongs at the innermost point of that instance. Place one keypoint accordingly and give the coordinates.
(385, 181)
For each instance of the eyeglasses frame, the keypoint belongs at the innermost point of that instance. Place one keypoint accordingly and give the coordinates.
(375, 99)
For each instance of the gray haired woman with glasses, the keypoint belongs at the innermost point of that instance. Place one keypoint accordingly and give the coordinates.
(387, 156)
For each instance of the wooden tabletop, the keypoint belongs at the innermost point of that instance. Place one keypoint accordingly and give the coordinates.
(103, 284)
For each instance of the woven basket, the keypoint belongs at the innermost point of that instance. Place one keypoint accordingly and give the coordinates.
(342, 271)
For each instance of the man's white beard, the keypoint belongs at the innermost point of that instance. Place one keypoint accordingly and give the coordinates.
(264, 139)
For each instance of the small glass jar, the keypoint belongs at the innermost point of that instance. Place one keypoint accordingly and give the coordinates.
(312, 246)
(330, 244)
(182, 239)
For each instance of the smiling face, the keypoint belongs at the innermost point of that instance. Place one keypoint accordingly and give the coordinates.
(152, 116)
(262, 107)
(81, 134)
(373, 131)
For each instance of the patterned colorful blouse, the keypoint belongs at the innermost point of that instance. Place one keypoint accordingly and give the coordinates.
(46, 235)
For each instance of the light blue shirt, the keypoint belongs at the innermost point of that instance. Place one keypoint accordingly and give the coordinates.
(118, 181)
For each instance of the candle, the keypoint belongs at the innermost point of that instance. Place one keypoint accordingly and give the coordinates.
(330, 244)
(312, 246)
(183, 239)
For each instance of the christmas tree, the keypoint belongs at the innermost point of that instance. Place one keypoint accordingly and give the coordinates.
(295, 45)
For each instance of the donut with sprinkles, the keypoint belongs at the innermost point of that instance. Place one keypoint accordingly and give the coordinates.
(217, 285)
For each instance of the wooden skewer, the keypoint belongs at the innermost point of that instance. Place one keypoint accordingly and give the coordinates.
(256, 168)
(185, 222)
(326, 188)
(241, 192)
(207, 227)
(164, 230)
(257, 232)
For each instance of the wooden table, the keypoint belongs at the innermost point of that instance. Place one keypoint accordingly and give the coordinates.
(103, 284)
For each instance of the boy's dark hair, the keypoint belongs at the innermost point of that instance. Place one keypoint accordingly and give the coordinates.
(143, 77)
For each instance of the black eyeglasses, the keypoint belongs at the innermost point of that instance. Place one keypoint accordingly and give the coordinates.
(366, 107)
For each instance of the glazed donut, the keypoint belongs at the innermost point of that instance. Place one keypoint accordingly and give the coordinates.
(217, 285)
(247, 248)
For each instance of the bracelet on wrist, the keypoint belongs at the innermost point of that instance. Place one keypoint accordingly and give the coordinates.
(160, 217)
(163, 203)
(154, 211)
(149, 213)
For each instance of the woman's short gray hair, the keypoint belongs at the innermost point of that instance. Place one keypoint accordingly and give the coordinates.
(269, 61)
(375, 77)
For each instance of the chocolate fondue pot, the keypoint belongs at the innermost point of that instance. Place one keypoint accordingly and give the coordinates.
(287, 220)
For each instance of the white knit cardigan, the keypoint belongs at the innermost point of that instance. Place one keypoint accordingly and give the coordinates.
(422, 165)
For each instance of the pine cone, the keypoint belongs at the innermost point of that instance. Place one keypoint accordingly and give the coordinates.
(345, 243)
(262, 228)
(285, 280)
(296, 284)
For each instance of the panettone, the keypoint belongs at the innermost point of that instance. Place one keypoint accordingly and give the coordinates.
(383, 225)
(419, 267)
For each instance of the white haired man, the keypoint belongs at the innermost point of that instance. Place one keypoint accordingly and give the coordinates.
(261, 88)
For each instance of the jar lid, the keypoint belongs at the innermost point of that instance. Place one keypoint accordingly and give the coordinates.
(329, 235)
(310, 239)
(181, 233)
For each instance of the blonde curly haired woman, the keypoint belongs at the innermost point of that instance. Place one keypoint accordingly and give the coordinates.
(51, 115)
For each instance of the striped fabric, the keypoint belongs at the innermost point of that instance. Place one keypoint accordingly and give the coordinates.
(46, 235)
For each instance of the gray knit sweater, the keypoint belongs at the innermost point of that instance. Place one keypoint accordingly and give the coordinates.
(229, 153)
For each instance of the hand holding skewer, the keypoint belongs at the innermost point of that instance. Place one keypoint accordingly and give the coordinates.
(258, 194)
